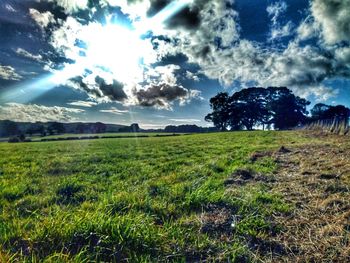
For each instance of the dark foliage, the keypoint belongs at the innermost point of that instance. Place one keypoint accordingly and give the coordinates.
(257, 106)
(326, 112)
(187, 129)
(8, 128)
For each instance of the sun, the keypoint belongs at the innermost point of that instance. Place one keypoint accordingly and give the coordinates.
(116, 49)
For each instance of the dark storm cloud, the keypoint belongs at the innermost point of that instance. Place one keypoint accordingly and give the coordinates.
(113, 91)
(78, 83)
(100, 89)
(187, 18)
(157, 6)
(160, 95)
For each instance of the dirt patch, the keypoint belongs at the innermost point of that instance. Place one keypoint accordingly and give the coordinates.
(218, 219)
(242, 177)
(329, 176)
(283, 150)
(313, 180)
(265, 246)
(256, 156)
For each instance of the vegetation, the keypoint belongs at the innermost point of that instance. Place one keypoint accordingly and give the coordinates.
(275, 107)
(252, 107)
(321, 112)
(210, 197)
(132, 198)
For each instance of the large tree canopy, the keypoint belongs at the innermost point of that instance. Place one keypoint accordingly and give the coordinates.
(257, 106)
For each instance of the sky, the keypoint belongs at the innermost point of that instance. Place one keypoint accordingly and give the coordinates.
(158, 62)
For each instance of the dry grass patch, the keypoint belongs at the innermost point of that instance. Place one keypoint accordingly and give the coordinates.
(311, 178)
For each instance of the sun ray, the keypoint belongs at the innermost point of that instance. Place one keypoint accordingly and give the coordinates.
(111, 46)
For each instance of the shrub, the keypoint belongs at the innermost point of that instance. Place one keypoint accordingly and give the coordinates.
(13, 139)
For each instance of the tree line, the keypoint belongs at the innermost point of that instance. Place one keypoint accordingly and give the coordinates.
(11, 128)
(267, 108)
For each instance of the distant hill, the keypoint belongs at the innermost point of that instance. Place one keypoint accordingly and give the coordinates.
(11, 128)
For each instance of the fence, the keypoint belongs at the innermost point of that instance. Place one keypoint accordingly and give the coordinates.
(335, 126)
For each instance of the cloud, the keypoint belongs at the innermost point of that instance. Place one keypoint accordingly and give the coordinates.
(64, 38)
(185, 120)
(276, 9)
(42, 19)
(98, 89)
(114, 91)
(307, 29)
(9, 73)
(192, 76)
(160, 96)
(303, 68)
(162, 74)
(33, 113)
(207, 34)
(333, 17)
(278, 31)
(82, 103)
(10, 8)
(115, 111)
(343, 55)
(26, 54)
(70, 6)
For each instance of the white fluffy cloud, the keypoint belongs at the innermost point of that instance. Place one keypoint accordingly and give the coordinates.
(333, 16)
(114, 110)
(24, 53)
(33, 113)
(82, 103)
(185, 120)
(302, 68)
(9, 73)
(42, 19)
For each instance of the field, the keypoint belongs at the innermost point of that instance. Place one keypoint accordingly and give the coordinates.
(74, 136)
(230, 197)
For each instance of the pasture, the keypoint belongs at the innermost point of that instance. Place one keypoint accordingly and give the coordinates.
(205, 197)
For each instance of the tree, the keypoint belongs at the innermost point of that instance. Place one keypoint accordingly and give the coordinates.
(56, 127)
(256, 106)
(248, 108)
(338, 112)
(135, 127)
(318, 112)
(288, 110)
(220, 105)
(326, 112)
(9, 128)
(35, 128)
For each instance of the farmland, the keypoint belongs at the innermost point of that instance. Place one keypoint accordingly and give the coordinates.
(241, 196)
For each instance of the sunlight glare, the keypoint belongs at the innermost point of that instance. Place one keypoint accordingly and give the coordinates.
(112, 48)
(117, 49)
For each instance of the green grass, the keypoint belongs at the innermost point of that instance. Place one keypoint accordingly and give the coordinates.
(138, 199)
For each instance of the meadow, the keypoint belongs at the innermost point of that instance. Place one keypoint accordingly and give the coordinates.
(202, 197)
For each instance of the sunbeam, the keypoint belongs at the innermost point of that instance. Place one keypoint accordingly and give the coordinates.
(111, 47)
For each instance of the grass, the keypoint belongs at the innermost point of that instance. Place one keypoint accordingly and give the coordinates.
(73, 136)
(140, 199)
